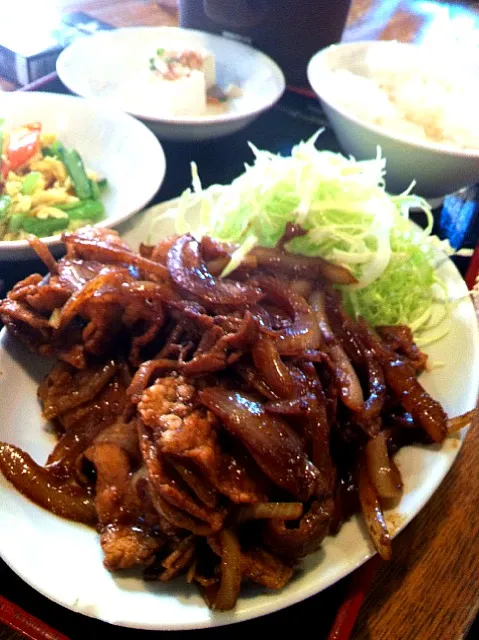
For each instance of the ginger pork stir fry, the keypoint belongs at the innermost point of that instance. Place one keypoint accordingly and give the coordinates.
(213, 427)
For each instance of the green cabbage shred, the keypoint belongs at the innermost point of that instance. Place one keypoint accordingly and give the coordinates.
(350, 220)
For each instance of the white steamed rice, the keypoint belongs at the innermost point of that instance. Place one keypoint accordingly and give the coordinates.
(412, 95)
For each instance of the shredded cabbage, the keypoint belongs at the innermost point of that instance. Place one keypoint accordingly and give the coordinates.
(350, 220)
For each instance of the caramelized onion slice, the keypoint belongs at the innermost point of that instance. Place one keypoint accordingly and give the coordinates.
(401, 379)
(179, 559)
(372, 512)
(107, 252)
(376, 387)
(146, 373)
(62, 498)
(297, 542)
(249, 374)
(217, 265)
(459, 422)
(303, 334)
(303, 405)
(383, 472)
(268, 362)
(348, 383)
(302, 266)
(189, 273)
(274, 445)
(268, 510)
(43, 252)
(230, 571)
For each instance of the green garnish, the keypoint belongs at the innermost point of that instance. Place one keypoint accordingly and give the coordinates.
(76, 170)
(88, 210)
(102, 185)
(30, 182)
(5, 202)
(95, 190)
(15, 222)
(53, 151)
(44, 226)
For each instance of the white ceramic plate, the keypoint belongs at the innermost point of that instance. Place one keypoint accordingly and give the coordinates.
(112, 143)
(114, 66)
(63, 560)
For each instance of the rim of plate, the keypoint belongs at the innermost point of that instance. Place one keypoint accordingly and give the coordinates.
(318, 66)
(65, 56)
(109, 112)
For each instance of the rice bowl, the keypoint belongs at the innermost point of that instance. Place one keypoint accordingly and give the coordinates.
(437, 168)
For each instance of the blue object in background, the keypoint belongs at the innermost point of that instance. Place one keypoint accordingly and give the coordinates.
(459, 218)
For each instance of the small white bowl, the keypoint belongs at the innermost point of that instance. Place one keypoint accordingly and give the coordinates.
(111, 65)
(112, 143)
(437, 169)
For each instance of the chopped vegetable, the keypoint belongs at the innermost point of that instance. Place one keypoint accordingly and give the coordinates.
(22, 146)
(15, 222)
(45, 226)
(349, 218)
(88, 210)
(76, 170)
(30, 182)
(53, 150)
(102, 184)
(5, 202)
(45, 186)
(95, 190)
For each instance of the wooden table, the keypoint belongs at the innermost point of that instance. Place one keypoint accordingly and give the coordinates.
(430, 590)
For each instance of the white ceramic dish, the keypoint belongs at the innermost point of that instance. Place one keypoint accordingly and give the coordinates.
(112, 143)
(114, 66)
(69, 567)
(437, 169)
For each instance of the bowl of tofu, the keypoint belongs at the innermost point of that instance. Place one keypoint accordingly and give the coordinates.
(184, 84)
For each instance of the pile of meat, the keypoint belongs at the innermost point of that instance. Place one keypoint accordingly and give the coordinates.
(214, 427)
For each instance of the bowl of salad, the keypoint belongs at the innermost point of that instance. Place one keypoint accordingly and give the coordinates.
(67, 162)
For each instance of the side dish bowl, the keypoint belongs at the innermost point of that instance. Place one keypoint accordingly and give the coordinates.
(114, 66)
(113, 144)
(438, 169)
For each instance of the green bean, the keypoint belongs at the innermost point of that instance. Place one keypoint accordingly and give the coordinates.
(5, 202)
(92, 210)
(95, 190)
(53, 151)
(15, 222)
(76, 170)
(102, 185)
(44, 226)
